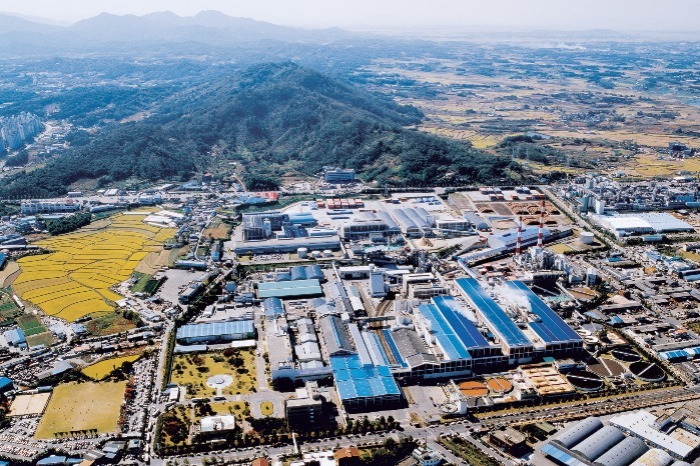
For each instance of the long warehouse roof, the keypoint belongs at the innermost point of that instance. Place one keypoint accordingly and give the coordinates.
(212, 329)
(453, 330)
(289, 289)
(502, 324)
(551, 328)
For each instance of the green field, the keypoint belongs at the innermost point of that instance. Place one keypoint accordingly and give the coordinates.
(82, 407)
(44, 338)
(147, 284)
(30, 325)
(8, 310)
(108, 324)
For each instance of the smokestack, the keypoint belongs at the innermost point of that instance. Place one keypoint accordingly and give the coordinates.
(518, 239)
(540, 232)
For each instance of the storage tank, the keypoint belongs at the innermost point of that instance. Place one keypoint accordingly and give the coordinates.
(316, 254)
(303, 253)
(586, 237)
(327, 253)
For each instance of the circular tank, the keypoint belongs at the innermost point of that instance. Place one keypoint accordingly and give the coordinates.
(499, 385)
(473, 389)
(586, 381)
(328, 253)
(606, 367)
(647, 371)
(626, 355)
(303, 253)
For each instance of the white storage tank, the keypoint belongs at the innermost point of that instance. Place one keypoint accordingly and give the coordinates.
(327, 253)
(303, 253)
(586, 237)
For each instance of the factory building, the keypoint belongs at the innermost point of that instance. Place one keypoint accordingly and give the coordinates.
(414, 222)
(359, 229)
(622, 225)
(212, 332)
(558, 338)
(338, 175)
(280, 245)
(630, 440)
(290, 289)
(513, 341)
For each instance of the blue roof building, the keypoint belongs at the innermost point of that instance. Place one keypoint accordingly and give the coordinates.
(16, 337)
(513, 340)
(6, 384)
(215, 332)
(289, 289)
(362, 387)
(273, 308)
(549, 327)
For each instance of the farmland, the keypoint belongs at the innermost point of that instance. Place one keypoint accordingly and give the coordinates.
(584, 113)
(102, 369)
(80, 407)
(75, 277)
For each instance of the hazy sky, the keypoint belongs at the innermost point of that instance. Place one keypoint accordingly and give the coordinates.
(559, 14)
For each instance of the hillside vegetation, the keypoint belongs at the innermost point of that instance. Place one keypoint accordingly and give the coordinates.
(273, 118)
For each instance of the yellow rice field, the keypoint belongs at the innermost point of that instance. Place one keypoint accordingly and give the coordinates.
(75, 278)
(102, 369)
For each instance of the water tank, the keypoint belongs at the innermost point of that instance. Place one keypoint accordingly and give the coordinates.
(328, 253)
(303, 253)
(316, 254)
(586, 237)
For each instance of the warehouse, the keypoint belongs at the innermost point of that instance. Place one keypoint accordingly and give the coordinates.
(282, 245)
(414, 222)
(622, 225)
(212, 332)
(290, 289)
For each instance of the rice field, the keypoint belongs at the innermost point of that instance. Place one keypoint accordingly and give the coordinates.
(75, 278)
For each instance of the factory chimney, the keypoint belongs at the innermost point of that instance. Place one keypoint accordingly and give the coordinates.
(540, 232)
(518, 239)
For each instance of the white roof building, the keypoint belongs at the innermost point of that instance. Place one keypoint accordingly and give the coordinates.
(212, 423)
(641, 424)
(643, 223)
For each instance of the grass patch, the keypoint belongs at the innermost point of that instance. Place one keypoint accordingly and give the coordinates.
(30, 325)
(147, 285)
(8, 310)
(80, 407)
(193, 370)
(217, 230)
(102, 369)
(44, 338)
(267, 408)
(108, 324)
(468, 452)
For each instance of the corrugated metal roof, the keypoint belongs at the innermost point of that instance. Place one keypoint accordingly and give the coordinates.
(212, 329)
(354, 380)
(289, 289)
(503, 325)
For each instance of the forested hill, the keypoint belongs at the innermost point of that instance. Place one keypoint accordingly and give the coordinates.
(274, 119)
